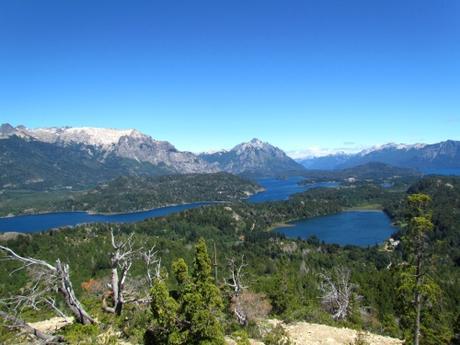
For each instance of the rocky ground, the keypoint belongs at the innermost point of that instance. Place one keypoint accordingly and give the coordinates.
(301, 333)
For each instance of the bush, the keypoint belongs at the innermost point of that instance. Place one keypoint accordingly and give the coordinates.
(360, 339)
(277, 336)
(241, 338)
(81, 334)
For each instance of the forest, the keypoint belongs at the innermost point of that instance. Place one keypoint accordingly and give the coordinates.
(223, 264)
(131, 193)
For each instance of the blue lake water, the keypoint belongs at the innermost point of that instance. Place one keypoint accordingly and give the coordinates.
(281, 189)
(360, 228)
(41, 222)
(275, 189)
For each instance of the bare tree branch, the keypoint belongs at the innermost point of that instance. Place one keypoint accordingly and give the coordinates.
(235, 282)
(152, 262)
(236, 275)
(47, 280)
(337, 291)
(121, 261)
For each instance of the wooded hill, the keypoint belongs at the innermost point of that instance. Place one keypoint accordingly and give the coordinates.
(133, 193)
(290, 277)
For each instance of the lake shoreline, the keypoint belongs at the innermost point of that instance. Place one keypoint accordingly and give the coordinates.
(38, 220)
(96, 213)
(352, 209)
(359, 227)
(61, 220)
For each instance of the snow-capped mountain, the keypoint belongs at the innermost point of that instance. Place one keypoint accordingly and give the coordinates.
(254, 158)
(424, 157)
(391, 146)
(124, 143)
(43, 158)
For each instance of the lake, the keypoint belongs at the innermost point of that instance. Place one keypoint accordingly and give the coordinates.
(360, 228)
(275, 189)
(281, 189)
(46, 221)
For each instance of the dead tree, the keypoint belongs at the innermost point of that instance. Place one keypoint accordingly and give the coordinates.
(337, 291)
(235, 282)
(121, 260)
(138, 291)
(152, 265)
(47, 280)
(15, 322)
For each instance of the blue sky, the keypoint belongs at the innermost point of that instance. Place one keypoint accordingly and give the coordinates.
(209, 74)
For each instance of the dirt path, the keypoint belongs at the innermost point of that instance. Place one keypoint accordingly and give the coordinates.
(51, 325)
(303, 333)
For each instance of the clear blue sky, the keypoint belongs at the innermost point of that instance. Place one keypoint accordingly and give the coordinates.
(210, 74)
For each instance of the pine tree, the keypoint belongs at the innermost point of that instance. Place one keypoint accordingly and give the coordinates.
(417, 289)
(192, 315)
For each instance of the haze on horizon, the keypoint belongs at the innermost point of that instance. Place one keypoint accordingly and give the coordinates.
(206, 75)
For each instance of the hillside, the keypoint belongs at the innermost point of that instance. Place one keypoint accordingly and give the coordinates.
(368, 171)
(285, 276)
(36, 165)
(126, 194)
(133, 193)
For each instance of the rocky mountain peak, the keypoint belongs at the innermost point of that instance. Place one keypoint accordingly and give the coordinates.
(7, 130)
(109, 142)
(254, 144)
(254, 157)
(100, 137)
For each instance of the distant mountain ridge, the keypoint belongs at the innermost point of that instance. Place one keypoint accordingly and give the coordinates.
(129, 144)
(443, 155)
(254, 158)
(78, 157)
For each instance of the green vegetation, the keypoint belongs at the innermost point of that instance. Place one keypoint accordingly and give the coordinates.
(417, 288)
(131, 193)
(288, 272)
(192, 317)
(126, 194)
(28, 201)
(369, 171)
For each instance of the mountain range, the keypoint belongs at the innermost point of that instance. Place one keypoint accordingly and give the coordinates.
(78, 157)
(423, 157)
(71, 157)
